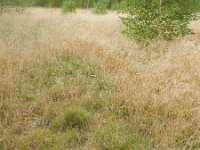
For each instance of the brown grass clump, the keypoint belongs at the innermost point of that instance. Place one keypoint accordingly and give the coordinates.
(156, 89)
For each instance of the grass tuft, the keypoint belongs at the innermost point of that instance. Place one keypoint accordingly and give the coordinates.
(74, 117)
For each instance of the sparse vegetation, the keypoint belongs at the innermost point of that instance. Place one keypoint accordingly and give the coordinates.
(75, 82)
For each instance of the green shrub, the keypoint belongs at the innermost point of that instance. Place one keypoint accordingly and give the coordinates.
(158, 19)
(69, 6)
(75, 117)
(101, 6)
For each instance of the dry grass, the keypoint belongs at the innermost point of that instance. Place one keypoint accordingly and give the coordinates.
(160, 84)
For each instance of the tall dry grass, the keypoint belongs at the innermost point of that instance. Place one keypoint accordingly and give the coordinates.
(161, 82)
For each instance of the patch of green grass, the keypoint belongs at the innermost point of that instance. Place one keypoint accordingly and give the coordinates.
(74, 138)
(40, 139)
(74, 117)
(74, 66)
(120, 135)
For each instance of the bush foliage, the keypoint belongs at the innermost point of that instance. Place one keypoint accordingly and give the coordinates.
(163, 19)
